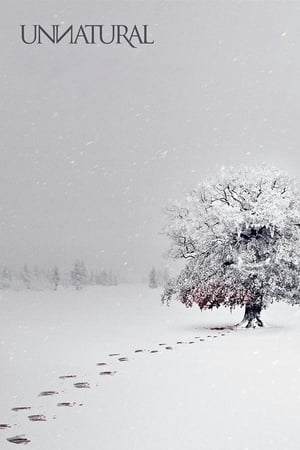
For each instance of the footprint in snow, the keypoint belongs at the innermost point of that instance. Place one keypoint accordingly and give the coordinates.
(20, 408)
(21, 439)
(82, 385)
(37, 418)
(64, 377)
(108, 372)
(47, 393)
(67, 404)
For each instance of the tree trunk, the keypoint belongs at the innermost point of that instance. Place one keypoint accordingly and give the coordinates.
(252, 316)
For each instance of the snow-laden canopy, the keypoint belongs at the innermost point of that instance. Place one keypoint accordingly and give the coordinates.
(239, 234)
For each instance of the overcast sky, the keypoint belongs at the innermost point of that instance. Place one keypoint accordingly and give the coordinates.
(95, 140)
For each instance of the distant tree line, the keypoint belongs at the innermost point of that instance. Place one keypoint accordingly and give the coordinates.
(158, 277)
(40, 278)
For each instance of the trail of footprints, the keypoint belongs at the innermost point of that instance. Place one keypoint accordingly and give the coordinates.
(22, 439)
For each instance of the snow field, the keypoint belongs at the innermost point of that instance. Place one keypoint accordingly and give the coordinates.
(237, 391)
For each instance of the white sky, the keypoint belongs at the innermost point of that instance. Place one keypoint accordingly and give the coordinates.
(95, 140)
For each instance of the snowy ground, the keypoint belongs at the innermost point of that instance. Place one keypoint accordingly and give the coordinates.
(235, 390)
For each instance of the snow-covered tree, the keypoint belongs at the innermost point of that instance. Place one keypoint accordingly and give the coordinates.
(6, 277)
(239, 234)
(55, 277)
(79, 275)
(26, 276)
(153, 278)
(92, 278)
(106, 278)
(161, 276)
(115, 281)
(166, 276)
